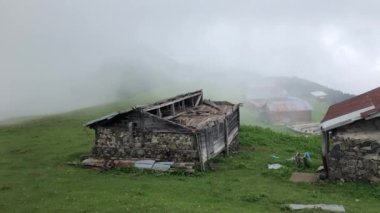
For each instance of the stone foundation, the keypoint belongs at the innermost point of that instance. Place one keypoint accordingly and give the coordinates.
(116, 143)
(354, 159)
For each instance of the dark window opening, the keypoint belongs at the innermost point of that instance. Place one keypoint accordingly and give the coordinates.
(179, 107)
(166, 111)
(189, 102)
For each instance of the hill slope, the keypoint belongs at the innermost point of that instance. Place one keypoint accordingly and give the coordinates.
(34, 176)
(302, 88)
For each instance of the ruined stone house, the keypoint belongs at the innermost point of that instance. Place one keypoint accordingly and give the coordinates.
(185, 128)
(351, 138)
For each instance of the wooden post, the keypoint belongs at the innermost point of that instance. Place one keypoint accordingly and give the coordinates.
(159, 113)
(226, 137)
(198, 100)
(173, 109)
(325, 150)
(200, 155)
(238, 116)
(207, 144)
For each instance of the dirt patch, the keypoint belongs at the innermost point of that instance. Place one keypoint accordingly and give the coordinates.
(298, 177)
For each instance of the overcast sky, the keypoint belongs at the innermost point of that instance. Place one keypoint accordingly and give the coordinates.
(49, 50)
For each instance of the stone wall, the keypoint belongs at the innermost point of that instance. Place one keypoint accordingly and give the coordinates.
(117, 143)
(354, 159)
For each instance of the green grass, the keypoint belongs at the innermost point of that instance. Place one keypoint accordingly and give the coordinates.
(34, 176)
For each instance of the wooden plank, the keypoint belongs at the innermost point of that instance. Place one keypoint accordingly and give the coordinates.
(174, 116)
(183, 105)
(203, 143)
(236, 106)
(204, 154)
(232, 135)
(198, 100)
(238, 116)
(172, 109)
(219, 146)
(325, 150)
(207, 144)
(148, 108)
(226, 136)
(159, 113)
(199, 149)
(163, 121)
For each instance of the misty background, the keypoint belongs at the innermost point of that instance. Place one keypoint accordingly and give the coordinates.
(61, 55)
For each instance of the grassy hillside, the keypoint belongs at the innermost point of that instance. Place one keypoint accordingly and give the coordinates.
(34, 176)
(302, 88)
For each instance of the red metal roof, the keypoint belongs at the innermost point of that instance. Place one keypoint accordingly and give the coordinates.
(370, 98)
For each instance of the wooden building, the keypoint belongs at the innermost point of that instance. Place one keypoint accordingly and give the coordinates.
(185, 128)
(288, 110)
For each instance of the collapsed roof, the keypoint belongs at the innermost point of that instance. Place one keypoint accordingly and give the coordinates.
(188, 110)
(364, 106)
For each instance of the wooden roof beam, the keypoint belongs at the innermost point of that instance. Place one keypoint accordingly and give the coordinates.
(153, 107)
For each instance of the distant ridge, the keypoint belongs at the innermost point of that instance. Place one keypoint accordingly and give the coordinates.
(302, 88)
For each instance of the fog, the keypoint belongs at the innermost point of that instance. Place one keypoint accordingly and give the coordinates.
(62, 55)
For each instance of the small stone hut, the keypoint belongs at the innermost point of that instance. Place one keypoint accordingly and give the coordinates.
(351, 138)
(185, 128)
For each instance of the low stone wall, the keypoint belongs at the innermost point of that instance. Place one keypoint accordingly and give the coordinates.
(117, 143)
(354, 159)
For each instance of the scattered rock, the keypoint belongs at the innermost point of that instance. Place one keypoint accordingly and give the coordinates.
(144, 164)
(320, 169)
(93, 162)
(162, 166)
(125, 163)
(274, 166)
(374, 179)
(324, 207)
